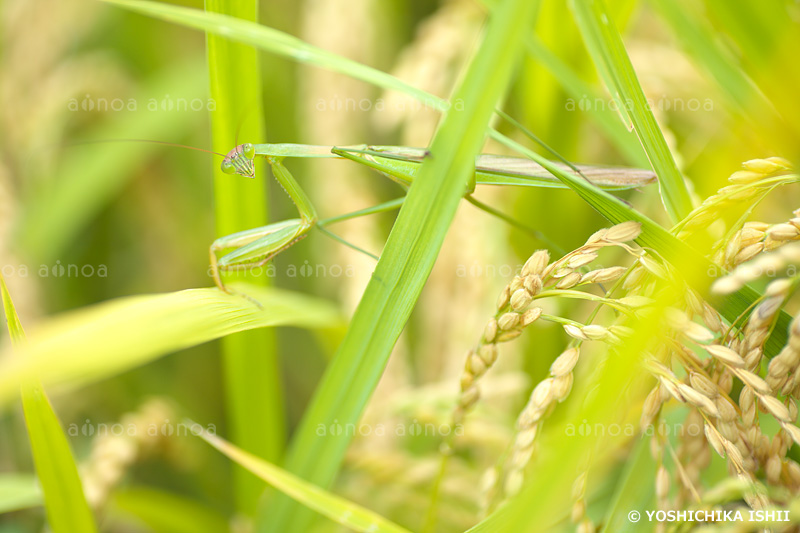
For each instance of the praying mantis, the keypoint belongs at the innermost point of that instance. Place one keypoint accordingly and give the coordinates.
(255, 247)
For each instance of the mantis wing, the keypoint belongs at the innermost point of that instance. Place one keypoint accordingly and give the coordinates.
(500, 170)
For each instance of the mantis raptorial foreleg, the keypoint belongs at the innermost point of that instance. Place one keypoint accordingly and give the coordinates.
(255, 247)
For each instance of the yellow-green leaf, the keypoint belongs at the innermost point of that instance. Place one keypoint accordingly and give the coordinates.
(19, 491)
(67, 510)
(334, 507)
(103, 340)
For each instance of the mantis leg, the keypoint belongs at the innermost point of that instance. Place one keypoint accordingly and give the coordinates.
(255, 247)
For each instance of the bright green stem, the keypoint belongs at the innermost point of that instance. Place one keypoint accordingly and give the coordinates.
(560, 320)
(253, 395)
(579, 295)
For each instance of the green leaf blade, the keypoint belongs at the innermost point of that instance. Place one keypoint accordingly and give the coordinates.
(19, 491)
(327, 504)
(74, 348)
(276, 42)
(67, 510)
(402, 271)
(608, 52)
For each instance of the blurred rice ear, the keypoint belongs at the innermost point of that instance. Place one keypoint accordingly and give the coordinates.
(698, 271)
(67, 510)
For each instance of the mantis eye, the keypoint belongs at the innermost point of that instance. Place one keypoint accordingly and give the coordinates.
(228, 167)
(248, 150)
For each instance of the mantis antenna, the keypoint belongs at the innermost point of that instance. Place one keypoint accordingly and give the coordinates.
(165, 143)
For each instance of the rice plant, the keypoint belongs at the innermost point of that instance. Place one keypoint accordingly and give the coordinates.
(530, 266)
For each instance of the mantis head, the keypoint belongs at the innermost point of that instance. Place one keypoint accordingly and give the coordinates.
(240, 161)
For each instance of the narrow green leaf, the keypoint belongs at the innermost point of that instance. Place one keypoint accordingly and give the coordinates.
(634, 490)
(67, 510)
(12, 320)
(405, 263)
(19, 491)
(700, 42)
(103, 340)
(276, 42)
(253, 390)
(579, 91)
(608, 52)
(325, 503)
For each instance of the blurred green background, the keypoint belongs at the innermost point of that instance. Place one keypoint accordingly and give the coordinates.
(83, 220)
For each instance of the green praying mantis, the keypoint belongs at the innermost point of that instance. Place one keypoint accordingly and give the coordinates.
(254, 247)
